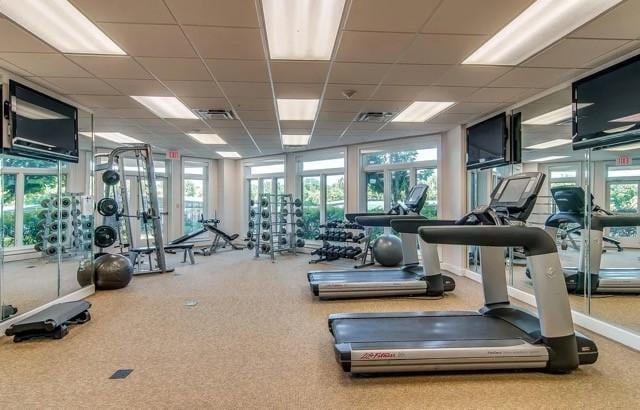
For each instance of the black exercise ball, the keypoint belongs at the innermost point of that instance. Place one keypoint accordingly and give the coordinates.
(112, 271)
(85, 272)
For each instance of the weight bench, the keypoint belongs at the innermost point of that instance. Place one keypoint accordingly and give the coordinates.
(220, 235)
(53, 322)
(146, 250)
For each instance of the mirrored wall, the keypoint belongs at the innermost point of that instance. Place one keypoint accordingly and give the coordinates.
(47, 226)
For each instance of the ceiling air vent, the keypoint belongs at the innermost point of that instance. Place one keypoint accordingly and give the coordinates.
(215, 114)
(374, 116)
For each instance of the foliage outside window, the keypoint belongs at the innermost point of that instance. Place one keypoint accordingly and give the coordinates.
(334, 197)
(195, 194)
(9, 210)
(429, 177)
(311, 205)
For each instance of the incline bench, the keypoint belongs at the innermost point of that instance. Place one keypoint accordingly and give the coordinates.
(146, 250)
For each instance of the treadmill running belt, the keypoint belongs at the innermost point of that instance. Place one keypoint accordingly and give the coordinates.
(389, 275)
(424, 328)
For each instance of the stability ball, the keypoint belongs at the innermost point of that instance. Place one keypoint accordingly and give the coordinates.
(387, 250)
(112, 272)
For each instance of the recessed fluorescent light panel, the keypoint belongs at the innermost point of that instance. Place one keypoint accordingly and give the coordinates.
(301, 29)
(550, 144)
(625, 147)
(166, 107)
(60, 24)
(550, 158)
(212, 139)
(228, 154)
(555, 116)
(619, 129)
(539, 26)
(116, 137)
(291, 139)
(297, 109)
(420, 111)
(629, 118)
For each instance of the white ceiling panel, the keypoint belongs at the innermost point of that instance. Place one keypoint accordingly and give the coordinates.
(474, 17)
(208, 103)
(441, 48)
(452, 118)
(139, 87)
(239, 70)
(397, 92)
(125, 11)
(630, 47)
(176, 68)
(261, 124)
(257, 115)
(299, 71)
(414, 74)
(358, 73)
(21, 40)
(501, 94)
(236, 90)
(105, 101)
(471, 75)
(534, 77)
(358, 46)
(327, 117)
(226, 42)
(149, 40)
(341, 105)
(207, 89)
(45, 64)
(15, 69)
(573, 53)
(111, 66)
(438, 93)
(620, 22)
(290, 90)
(362, 92)
(81, 85)
(335, 125)
(188, 125)
(124, 113)
(236, 13)
(391, 106)
(384, 15)
(473, 108)
(248, 103)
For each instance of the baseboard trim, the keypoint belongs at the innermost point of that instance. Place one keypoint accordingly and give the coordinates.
(73, 296)
(608, 330)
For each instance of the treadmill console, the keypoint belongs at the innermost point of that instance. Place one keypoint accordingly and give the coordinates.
(515, 196)
(416, 198)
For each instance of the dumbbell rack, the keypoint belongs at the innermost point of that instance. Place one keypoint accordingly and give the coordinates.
(365, 240)
(275, 212)
(63, 226)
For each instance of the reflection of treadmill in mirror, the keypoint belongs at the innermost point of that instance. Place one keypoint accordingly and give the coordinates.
(499, 335)
(570, 202)
(407, 280)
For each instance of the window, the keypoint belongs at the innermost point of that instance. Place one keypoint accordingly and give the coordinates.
(268, 169)
(381, 157)
(311, 205)
(9, 210)
(429, 177)
(195, 197)
(375, 191)
(400, 186)
(36, 189)
(254, 189)
(334, 194)
(623, 189)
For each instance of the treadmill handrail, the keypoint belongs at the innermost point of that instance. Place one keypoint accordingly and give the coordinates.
(599, 222)
(383, 220)
(351, 217)
(535, 241)
(412, 224)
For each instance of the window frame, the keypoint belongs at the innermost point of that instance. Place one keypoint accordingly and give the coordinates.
(204, 177)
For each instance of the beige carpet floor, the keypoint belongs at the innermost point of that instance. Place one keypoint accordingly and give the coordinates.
(257, 339)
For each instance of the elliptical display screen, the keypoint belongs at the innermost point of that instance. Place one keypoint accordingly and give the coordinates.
(514, 190)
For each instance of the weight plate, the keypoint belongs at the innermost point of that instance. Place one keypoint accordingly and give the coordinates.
(110, 177)
(104, 236)
(107, 207)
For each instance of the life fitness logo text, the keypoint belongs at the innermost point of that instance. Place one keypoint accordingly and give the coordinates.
(377, 356)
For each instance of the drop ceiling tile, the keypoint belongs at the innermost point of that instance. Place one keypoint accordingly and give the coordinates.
(383, 15)
(206, 103)
(125, 11)
(358, 73)
(176, 68)
(621, 22)
(573, 53)
(327, 117)
(501, 94)
(397, 92)
(111, 66)
(390, 106)
(341, 105)
(189, 125)
(365, 126)
(438, 93)
(358, 46)
(260, 124)
(441, 48)
(226, 42)
(473, 108)
(194, 88)
(471, 75)
(290, 90)
(139, 87)
(474, 17)
(81, 85)
(21, 40)
(15, 69)
(248, 103)
(299, 71)
(534, 77)
(149, 40)
(124, 113)
(226, 126)
(362, 92)
(334, 125)
(245, 90)
(627, 48)
(45, 64)
(452, 118)
(105, 101)
(414, 74)
(239, 70)
(257, 115)
(237, 13)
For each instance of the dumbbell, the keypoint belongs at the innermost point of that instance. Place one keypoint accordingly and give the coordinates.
(45, 203)
(349, 235)
(264, 202)
(297, 202)
(283, 230)
(37, 247)
(358, 237)
(282, 240)
(265, 225)
(300, 243)
(343, 252)
(299, 233)
(265, 213)
(299, 223)
(266, 236)
(43, 214)
(66, 202)
(249, 235)
(298, 212)
(252, 202)
(252, 225)
(343, 236)
(265, 247)
(252, 213)
(284, 212)
(251, 245)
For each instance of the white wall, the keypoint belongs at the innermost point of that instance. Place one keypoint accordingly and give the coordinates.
(228, 196)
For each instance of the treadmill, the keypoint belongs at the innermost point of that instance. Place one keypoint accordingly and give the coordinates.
(408, 280)
(602, 280)
(498, 336)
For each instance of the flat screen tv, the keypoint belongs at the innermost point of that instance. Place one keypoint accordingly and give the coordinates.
(488, 143)
(40, 126)
(606, 107)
